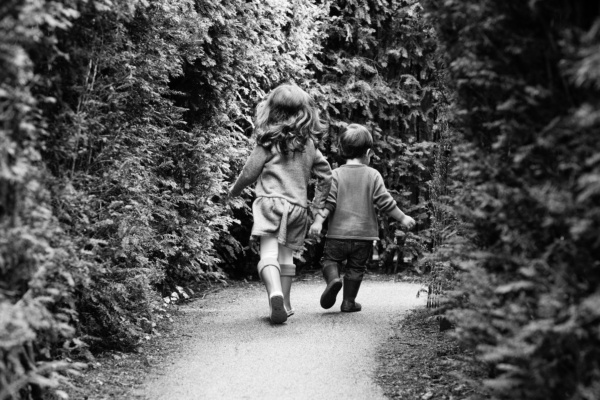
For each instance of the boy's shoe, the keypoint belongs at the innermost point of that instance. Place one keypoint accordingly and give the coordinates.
(350, 291)
(334, 284)
(290, 312)
(278, 312)
(350, 306)
(330, 293)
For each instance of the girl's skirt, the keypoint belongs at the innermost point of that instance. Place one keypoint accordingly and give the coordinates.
(274, 216)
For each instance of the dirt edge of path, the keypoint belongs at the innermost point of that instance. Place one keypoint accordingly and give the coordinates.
(419, 362)
(118, 375)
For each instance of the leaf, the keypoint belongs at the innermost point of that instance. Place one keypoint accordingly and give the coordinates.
(514, 287)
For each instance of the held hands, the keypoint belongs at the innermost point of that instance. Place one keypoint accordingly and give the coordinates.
(317, 226)
(315, 229)
(408, 222)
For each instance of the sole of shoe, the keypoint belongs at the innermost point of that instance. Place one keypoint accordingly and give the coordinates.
(330, 293)
(278, 313)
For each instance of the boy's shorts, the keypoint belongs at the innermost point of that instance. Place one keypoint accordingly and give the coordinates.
(356, 253)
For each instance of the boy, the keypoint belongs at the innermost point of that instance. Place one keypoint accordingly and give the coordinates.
(355, 192)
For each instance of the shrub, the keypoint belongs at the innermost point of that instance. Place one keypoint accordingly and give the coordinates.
(38, 266)
(527, 104)
(380, 68)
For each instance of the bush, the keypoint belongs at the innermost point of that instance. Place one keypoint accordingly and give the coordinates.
(380, 67)
(38, 267)
(527, 104)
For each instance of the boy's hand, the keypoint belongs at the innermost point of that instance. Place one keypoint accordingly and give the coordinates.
(223, 199)
(408, 222)
(315, 229)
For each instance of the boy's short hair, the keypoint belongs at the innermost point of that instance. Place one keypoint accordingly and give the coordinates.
(355, 141)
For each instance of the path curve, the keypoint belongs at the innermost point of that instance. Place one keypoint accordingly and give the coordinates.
(231, 350)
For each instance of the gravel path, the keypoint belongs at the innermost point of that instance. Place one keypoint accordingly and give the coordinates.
(233, 352)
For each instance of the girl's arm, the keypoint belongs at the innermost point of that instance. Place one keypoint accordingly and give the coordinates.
(251, 171)
(322, 214)
(322, 170)
(317, 226)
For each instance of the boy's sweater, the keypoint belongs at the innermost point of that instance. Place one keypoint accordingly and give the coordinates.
(355, 192)
(286, 175)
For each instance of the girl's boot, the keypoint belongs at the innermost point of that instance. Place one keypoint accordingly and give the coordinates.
(350, 291)
(288, 271)
(269, 273)
(334, 284)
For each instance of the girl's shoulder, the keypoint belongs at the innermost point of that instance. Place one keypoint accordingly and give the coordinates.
(267, 153)
(307, 148)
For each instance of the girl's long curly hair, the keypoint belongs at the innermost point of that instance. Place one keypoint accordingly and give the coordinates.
(287, 118)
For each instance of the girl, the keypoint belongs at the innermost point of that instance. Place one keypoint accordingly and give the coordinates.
(287, 127)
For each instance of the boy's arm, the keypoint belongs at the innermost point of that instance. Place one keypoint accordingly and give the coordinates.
(322, 170)
(331, 201)
(251, 171)
(386, 203)
(381, 197)
(402, 218)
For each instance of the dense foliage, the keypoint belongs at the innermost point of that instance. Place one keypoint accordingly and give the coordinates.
(380, 67)
(527, 77)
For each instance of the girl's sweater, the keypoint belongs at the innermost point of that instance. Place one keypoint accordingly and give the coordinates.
(286, 175)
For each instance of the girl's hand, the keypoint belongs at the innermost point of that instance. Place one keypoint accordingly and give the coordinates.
(315, 229)
(408, 222)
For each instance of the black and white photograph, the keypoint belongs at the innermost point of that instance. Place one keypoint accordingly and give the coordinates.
(299, 200)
